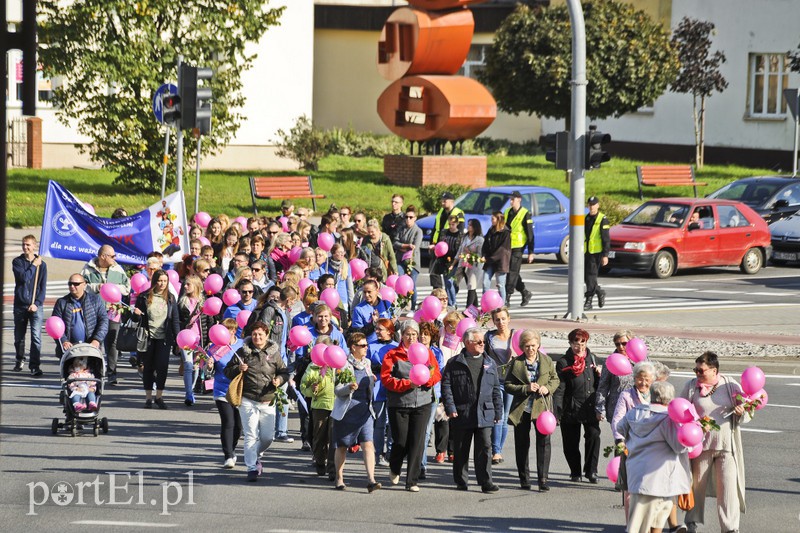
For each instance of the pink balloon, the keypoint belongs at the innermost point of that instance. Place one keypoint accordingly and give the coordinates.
(690, 434)
(387, 293)
(618, 364)
(326, 241)
(331, 297)
(54, 327)
(636, 350)
(335, 357)
(174, 278)
(219, 335)
(204, 240)
(212, 306)
(110, 293)
(188, 339)
(440, 249)
(515, 342)
(419, 375)
(431, 307)
(404, 285)
(612, 469)
(696, 451)
(391, 280)
(202, 218)
(284, 224)
(753, 380)
(546, 423)
(318, 354)
(464, 324)
(213, 284)
(300, 336)
(490, 301)
(679, 410)
(138, 281)
(357, 268)
(304, 284)
(294, 254)
(231, 297)
(243, 317)
(763, 397)
(419, 316)
(242, 222)
(418, 354)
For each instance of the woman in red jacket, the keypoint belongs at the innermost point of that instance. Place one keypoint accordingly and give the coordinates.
(409, 406)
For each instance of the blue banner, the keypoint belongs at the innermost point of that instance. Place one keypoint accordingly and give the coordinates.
(70, 229)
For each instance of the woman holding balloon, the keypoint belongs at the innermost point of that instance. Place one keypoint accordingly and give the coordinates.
(319, 386)
(497, 252)
(229, 418)
(501, 344)
(408, 398)
(610, 385)
(192, 318)
(162, 323)
(714, 395)
(530, 380)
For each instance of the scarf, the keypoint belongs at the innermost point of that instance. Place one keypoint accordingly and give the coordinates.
(578, 365)
(707, 388)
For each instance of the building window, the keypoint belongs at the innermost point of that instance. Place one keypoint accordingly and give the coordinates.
(768, 77)
(476, 60)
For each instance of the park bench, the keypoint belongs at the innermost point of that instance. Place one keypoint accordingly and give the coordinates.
(282, 187)
(666, 176)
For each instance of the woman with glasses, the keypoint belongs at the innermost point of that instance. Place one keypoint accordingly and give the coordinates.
(715, 395)
(610, 386)
(261, 278)
(353, 413)
(575, 398)
(497, 253)
(407, 243)
(531, 380)
(408, 405)
(190, 307)
(161, 320)
(259, 253)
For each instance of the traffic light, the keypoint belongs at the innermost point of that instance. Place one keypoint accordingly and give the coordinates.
(595, 154)
(171, 108)
(557, 148)
(195, 100)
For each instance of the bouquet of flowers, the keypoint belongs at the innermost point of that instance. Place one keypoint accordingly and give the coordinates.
(471, 259)
(708, 424)
(750, 404)
(616, 450)
(280, 401)
(345, 377)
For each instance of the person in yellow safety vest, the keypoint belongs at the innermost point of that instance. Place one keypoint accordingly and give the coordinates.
(447, 210)
(519, 221)
(595, 249)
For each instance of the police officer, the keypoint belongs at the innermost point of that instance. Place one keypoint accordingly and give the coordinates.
(447, 210)
(595, 248)
(518, 219)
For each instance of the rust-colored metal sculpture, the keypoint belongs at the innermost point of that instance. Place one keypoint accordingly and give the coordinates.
(421, 48)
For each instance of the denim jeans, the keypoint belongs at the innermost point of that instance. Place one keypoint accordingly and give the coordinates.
(428, 434)
(282, 418)
(451, 288)
(22, 318)
(258, 424)
(380, 433)
(90, 397)
(488, 272)
(500, 429)
(190, 374)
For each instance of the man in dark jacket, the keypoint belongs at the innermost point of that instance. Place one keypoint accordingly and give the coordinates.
(84, 315)
(30, 286)
(474, 403)
(395, 220)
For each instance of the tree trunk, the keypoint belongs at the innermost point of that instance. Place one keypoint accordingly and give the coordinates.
(696, 124)
(702, 132)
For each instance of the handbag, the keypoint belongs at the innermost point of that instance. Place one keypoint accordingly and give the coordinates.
(133, 336)
(235, 389)
(686, 501)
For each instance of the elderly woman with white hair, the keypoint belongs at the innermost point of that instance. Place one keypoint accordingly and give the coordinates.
(657, 464)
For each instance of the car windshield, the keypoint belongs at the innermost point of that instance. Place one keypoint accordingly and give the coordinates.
(753, 193)
(482, 202)
(658, 214)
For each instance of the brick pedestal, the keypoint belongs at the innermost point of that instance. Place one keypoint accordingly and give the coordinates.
(34, 159)
(419, 170)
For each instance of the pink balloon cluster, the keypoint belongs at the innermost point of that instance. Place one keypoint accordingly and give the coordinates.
(404, 285)
(335, 357)
(419, 356)
(635, 351)
(139, 283)
(391, 280)
(753, 380)
(318, 354)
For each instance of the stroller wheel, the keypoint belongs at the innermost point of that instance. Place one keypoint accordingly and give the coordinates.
(61, 397)
(73, 429)
(96, 429)
(104, 424)
(54, 426)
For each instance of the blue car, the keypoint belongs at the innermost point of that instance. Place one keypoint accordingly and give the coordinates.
(549, 209)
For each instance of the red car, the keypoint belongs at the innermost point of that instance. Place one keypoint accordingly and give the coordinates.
(670, 233)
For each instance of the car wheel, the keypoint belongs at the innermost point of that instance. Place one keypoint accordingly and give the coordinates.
(752, 261)
(563, 251)
(664, 265)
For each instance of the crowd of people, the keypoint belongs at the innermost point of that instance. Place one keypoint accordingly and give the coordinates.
(478, 383)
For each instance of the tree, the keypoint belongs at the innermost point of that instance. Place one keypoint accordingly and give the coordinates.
(699, 74)
(113, 55)
(629, 63)
(794, 58)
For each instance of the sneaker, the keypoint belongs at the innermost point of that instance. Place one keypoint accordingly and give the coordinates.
(133, 361)
(451, 458)
(78, 407)
(306, 446)
(160, 403)
(259, 468)
(19, 366)
(491, 488)
(601, 298)
(680, 528)
(413, 488)
(92, 406)
(382, 461)
(148, 404)
(230, 462)
(440, 457)
(526, 297)
(284, 438)
(372, 487)
(394, 479)
(252, 476)
(36, 372)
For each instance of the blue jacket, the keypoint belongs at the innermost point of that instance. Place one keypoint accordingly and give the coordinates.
(437, 389)
(375, 351)
(335, 335)
(459, 394)
(221, 381)
(302, 319)
(24, 273)
(95, 317)
(362, 318)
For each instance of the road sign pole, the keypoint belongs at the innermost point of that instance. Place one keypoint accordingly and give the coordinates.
(577, 182)
(197, 178)
(166, 160)
(796, 137)
(179, 141)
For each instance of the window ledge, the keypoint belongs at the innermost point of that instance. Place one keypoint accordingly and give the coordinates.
(765, 118)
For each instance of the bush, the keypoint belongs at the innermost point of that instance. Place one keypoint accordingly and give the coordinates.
(613, 209)
(430, 195)
(356, 144)
(303, 143)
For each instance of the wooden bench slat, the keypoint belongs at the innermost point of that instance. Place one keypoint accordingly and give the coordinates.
(271, 187)
(666, 176)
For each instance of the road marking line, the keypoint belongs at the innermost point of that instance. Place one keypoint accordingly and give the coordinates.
(752, 430)
(767, 293)
(779, 405)
(793, 384)
(23, 385)
(676, 289)
(124, 524)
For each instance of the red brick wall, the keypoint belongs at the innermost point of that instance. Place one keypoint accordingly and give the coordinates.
(419, 170)
(34, 142)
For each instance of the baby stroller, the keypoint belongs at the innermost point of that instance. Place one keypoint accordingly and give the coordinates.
(96, 364)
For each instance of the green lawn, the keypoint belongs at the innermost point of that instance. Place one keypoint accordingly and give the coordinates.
(358, 183)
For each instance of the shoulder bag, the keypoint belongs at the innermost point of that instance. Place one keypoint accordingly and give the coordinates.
(133, 336)
(235, 389)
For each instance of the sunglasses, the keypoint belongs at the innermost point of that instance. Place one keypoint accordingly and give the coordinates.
(361, 345)
(75, 283)
(477, 342)
(246, 292)
(256, 269)
(274, 232)
(206, 270)
(409, 217)
(111, 256)
(700, 371)
(618, 344)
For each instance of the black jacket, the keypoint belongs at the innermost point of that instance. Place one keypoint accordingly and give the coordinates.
(459, 395)
(173, 323)
(576, 395)
(497, 249)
